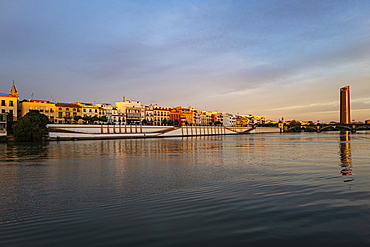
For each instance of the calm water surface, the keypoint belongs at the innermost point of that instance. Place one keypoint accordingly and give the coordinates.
(303, 189)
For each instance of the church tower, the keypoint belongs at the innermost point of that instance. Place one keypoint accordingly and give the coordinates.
(13, 91)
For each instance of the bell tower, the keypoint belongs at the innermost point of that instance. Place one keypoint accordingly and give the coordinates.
(13, 91)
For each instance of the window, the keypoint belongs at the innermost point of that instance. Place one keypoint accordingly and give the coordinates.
(51, 110)
(74, 109)
(84, 110)
(3, 103)
(11, 111)
(67, 109)
(60, 114)
(60, 109)
(11, 103)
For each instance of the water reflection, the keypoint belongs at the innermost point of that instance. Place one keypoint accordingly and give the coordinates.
(14, 151)
(345, 155)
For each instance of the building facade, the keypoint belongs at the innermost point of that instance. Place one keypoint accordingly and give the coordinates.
(66, 112)
(9, 103)
(43, 106)
(345, 107)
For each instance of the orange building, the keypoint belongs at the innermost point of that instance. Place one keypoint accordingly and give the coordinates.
(345, 107)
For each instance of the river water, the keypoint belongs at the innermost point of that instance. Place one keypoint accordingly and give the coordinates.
(304, 189)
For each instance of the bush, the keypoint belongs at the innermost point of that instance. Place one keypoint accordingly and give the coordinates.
(31, 127)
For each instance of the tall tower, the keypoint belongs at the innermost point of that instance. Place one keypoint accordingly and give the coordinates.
(345, 107)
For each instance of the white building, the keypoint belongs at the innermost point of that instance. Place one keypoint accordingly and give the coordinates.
(133, 111)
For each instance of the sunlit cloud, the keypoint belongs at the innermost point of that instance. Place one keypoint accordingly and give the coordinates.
(264, 57)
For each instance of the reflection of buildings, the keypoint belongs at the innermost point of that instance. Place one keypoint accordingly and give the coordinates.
(345, 155)
(345, 109)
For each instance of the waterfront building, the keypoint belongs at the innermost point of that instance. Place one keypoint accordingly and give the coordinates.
(216, 118)
(117, 116)
(149, 114)
(243, 120)
(66, 112)
(160, 115)
(106, 110)
(205, 118)
(345, 108)
(9, 102)
(227, 120)
(259, 119)
(43, 106)
(186, 115)
(175, 116)
(133, 111)
(88, 110)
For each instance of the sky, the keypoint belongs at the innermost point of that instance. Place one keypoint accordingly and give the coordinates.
(269, 58)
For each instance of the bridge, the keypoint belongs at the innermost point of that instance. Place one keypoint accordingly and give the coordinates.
(327, 127)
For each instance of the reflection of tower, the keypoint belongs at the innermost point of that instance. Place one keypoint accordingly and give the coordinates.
(345, 109)
(345, 155)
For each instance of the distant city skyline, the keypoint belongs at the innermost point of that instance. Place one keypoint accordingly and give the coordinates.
(274, 59)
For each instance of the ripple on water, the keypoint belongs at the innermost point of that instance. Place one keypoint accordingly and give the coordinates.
(233, 191)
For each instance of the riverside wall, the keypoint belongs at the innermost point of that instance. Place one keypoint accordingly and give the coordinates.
(78, 131)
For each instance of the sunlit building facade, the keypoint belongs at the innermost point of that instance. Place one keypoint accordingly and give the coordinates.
(345, 108)
(66, 112)
(43, 106)
(9, 103)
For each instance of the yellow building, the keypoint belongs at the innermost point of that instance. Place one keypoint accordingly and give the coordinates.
(9, 103)
(89, 109)
(65, 112)
(160, 114)
(243, 120)
(43, 106)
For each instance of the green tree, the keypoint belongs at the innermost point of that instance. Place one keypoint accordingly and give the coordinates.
(144, 122)
(95, 118)
(31, 127)
(164, 122)
(218, 123)
(87, 119)
(10, 123)
(76, 118)
(176, 122)
(103, 119)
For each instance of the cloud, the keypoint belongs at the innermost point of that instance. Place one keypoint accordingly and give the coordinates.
(238, 56)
